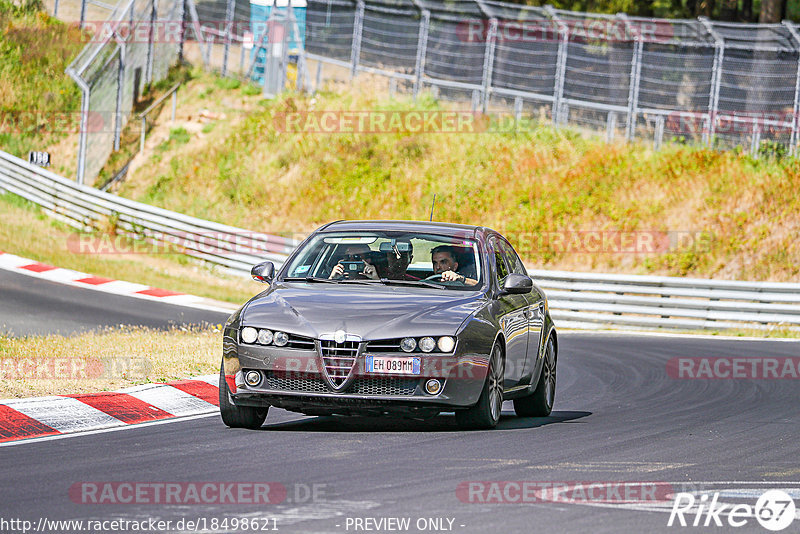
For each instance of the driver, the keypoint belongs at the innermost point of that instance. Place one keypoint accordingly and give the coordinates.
(445, 264)
(355, 253)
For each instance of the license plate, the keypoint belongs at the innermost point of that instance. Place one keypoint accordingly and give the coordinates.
(388, 365)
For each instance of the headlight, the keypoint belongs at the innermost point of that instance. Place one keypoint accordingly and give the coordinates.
(446, 344)
(280, 339)
(408, 344)
(427, 344)
(264, 337)
(249, 334)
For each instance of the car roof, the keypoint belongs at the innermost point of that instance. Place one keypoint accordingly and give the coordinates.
(439, 228)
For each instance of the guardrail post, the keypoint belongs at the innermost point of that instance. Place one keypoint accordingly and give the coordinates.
(658, 136)
(633, 90)
(358, 29)
(174, 104)
(142, 133)
(796, 105)
(228, 27)
(422, 50)
(716, 79)
(611, 126)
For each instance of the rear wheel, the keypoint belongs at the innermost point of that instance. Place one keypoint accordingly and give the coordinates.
(238, 416)
(540, 403)
(486, 413)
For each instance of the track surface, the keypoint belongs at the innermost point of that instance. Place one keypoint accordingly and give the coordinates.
(618, 417)
(30, 305)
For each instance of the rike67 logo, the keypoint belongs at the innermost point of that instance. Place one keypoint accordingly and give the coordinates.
(774, 510)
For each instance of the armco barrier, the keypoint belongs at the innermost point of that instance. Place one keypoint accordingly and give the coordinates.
(580, 300)
(87, 208)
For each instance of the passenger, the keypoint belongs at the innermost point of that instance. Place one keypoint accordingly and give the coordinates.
(397, 262)
(445, 263)
(355, 253)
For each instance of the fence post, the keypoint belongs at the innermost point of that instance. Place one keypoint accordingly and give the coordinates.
(83, 12)
(633, 90)
(611, 126)
(148, 75)
(488, 63)
(561, 65)
(716, 79)
(422, 50)
(230, 4)
(86, 94)
(120, 84)
(358, 28)
(796, 105)
(55, 10)
(198, 30)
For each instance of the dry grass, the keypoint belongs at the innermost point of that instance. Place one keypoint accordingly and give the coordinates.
(104, 361)
(525, 185)
(26, 231)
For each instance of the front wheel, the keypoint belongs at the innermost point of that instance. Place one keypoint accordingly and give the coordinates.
(540, 403)
(486, 413)
(238, 416)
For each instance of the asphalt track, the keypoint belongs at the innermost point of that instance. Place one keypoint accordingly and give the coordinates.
(30, 306)
(618, 417)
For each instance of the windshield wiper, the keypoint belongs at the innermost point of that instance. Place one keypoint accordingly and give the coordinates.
(418, 283)
(311, 279)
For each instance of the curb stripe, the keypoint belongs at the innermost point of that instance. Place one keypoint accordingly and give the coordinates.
(171, 400)
(64, 414)
(94, 280)
(155, 292)
(201, 390)
(38, 267)
(123, 407)
(15, 425)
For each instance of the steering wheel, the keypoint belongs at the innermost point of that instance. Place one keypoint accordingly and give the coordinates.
(438, 278)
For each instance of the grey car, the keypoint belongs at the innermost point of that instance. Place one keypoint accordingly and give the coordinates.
(392, 318)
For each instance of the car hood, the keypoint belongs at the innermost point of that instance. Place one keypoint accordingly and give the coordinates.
(372, 312)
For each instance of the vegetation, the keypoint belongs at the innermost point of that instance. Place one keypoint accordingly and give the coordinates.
(25, 230)
(727, 215)
(106, 360)
(39, 103)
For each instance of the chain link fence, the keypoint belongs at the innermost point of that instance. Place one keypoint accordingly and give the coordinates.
(722, 84)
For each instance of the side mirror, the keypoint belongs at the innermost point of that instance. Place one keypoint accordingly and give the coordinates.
(517, 284)
(263, 272)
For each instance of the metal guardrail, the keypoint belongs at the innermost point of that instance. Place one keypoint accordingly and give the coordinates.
(579, 300)
(86, 208)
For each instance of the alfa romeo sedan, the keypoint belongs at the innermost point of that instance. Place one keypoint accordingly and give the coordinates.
(392, 318)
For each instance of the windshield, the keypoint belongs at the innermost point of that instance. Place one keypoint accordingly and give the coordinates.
(411, 259)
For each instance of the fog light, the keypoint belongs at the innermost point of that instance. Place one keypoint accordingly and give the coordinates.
(433, 386)
(249, 334)
(427, 344)
(253, 378)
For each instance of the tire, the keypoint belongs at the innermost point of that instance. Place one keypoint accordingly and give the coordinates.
(486, 413)
(238, 416)
(540, 402)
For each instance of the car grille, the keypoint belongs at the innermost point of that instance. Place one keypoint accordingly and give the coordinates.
(359, 386)
(384, 345)
(338, 359)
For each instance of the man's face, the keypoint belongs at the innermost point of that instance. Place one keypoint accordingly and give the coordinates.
(397, 266)
(356, 253)
(443, 261)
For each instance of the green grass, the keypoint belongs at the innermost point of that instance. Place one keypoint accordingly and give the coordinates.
(39, 103)
(744, 213)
